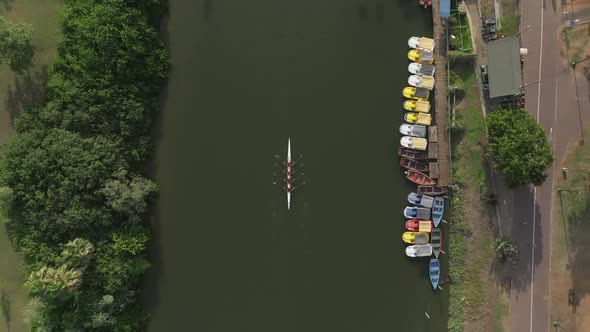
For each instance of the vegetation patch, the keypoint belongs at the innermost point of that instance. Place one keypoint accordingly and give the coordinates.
(510, 18)
(71, 179)
(461, 33)
(471, 241)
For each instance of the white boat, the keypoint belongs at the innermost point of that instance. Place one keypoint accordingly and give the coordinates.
(412, 130)
(421, 81)
(419, 250)
(289, 175)
(421, 43)
(421, 69)
(414, 143)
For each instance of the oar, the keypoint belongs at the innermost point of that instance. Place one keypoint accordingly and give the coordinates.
(295, 178)
(293, 163)
(297, 186)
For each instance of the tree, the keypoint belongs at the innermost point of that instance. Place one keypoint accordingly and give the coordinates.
(506, 250)
(16, 44)
(519, 147)
(54, 283)
(128, 196)
(77, 253)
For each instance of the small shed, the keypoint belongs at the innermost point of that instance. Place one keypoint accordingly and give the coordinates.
(504, 73)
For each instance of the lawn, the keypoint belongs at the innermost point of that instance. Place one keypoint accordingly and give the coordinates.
(474, 303)
(510, 18)
(17, 92)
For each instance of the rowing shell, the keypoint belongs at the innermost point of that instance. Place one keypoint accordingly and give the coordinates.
(288, 173)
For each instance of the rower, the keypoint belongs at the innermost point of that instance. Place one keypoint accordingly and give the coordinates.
(289, 162)
(288, 186)
(289, 170)
(289, 178)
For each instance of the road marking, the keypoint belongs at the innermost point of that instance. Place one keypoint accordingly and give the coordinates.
(535, 189)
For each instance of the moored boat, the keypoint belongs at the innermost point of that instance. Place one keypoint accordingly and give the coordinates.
(411, 92)
(416, 225)
(420, 178)
(434, 272)
(407, 129)
(412, 212)
(415, 143)
(424, 57)
(415, 238)
(418, 118)
(421, 200)
(436, 239)
(421, 69)
(420, 105)
(421, 81)
(412, 154)
(413, 165)
(419, 250)
(421, 43)
(425, 3)
(432, 190)
(438, 209)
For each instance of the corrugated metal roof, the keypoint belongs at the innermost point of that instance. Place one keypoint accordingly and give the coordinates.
(504, 67)
(445, 8)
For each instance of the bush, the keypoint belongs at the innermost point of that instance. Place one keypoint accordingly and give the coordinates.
(456, 57)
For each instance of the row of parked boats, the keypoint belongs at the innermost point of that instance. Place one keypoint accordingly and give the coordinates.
(425, 212)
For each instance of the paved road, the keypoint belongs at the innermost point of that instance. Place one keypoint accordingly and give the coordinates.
(552, 102)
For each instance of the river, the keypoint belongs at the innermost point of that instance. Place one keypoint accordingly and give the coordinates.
(246, 76)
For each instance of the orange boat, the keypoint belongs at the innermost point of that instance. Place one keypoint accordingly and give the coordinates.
(417, 225)
(420, 178)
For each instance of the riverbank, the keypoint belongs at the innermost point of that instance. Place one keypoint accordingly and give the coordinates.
(16, 93)
(476, 302)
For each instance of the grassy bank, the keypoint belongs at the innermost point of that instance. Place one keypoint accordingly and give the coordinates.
(473, 299)
(570, 255)
(17, 92)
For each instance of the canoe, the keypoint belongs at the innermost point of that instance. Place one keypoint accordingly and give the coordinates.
(421, 81)
(421, 69)
(436, 239)
(421, 106)
(438, 209)
(420, 178)
(434, 272)
(413, 165)
(418, 118)
(412, 212)
(421, 200)
(412, 154)
(415, 238)
(433, 191)
(422, 43)
(411, 92)
(419, 250)
(416, 225)
(407, 129)
(421, 56)
(415, 143)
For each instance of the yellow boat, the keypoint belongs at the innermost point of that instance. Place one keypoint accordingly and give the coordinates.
(422, 106)
(411, 92)
(421, 56)
(415, 237)
(418, 118)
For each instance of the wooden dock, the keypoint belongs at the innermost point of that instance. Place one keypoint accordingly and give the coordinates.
(440, 102)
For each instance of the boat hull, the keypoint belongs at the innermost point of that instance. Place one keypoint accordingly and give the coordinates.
(434, 272)
(432, 190)
(420, 178)
(413, 165)
(436, 240)
(438, 209)
(412, 154)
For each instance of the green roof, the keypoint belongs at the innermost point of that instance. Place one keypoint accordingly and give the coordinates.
(504, 67)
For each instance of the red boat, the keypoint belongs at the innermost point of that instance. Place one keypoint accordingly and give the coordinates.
(432, 191)
(417, 225)
(420, 178)
(413, 165)
(412, 154)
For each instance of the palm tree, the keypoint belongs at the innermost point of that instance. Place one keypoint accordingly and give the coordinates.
(51, 282)
(77, 252)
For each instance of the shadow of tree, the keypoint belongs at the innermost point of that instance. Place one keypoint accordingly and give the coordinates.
(27, 90)
(5, 306)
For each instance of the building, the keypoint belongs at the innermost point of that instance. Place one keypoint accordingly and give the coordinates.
(504, 68)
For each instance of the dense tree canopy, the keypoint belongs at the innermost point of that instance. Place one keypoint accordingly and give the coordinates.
(519, 147)
(16, 44)
(70, 179)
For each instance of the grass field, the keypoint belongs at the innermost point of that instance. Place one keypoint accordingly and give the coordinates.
(17, 92)
(510, 18)
(476, 303)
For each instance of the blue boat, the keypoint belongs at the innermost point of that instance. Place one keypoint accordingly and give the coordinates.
(434, 271)
(438, 209)
(411, 212)
(421, 200)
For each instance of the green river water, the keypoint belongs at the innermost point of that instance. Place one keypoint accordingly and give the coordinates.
(227, 254)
